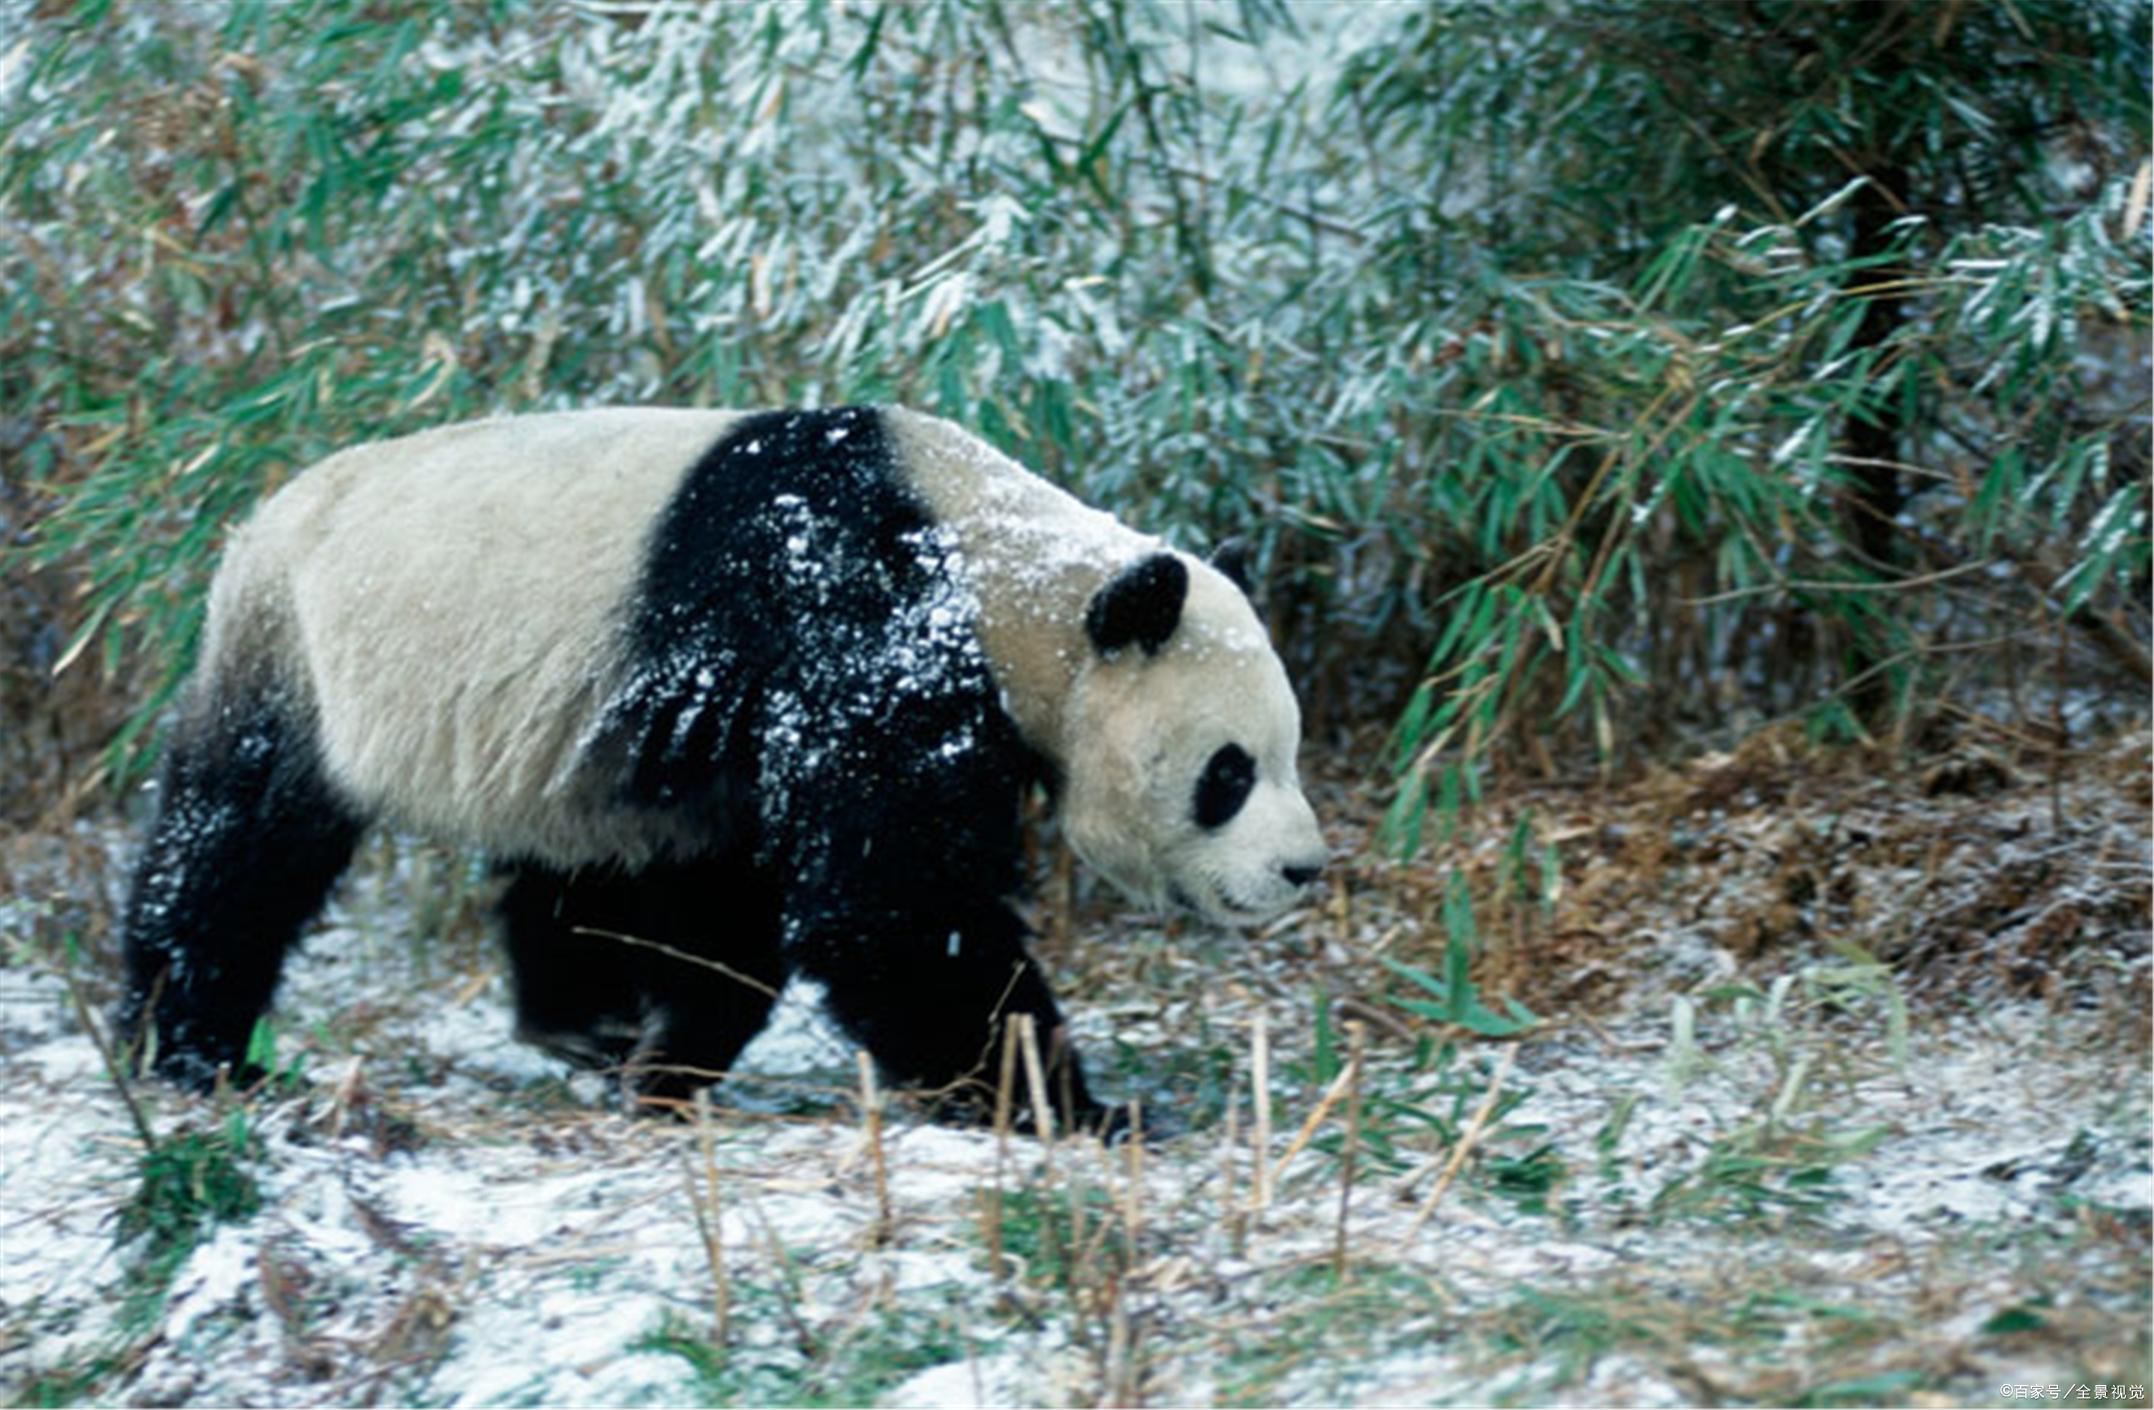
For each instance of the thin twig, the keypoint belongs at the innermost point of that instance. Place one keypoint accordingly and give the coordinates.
(682, 955)
(1133, 1207)
(1370, 1013)
(1005, 1082)
(112, 1065)
(795, 1298)
(1813, 585)
(2061, 735)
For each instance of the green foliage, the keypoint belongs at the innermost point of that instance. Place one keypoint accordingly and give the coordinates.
(1326, 1335)
(1763, 1169)
(286, 1075)
(1784, 1022)
(1057, 1236)
(1566, 1331)
(1428, 1104)
(1815, 291)
(1457, 998)
(878, 1348)
(1780, 1159)
(72, 1386)
(1562, 360)
(191, 1180)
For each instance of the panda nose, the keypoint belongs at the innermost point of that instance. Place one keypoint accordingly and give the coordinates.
(1299, 877)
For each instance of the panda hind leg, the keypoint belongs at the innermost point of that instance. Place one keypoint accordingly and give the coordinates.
(710, 990)
(577, 995)
(666, 973)
(248, 840)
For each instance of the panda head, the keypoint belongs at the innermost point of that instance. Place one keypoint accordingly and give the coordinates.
(1179, 749)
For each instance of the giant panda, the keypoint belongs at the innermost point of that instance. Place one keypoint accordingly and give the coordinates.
(727, 697)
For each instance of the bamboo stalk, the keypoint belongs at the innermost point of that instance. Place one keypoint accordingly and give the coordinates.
(1080, 1259)
(1260, 1099)
(1036, 1078)
(872, 1117)
(114, 1068)
(1357, 1038)
(789, 1306)
(1237, 1216)
(709, 1214)
(1133, 1155)
(1005, 1082)
(1119, 1376)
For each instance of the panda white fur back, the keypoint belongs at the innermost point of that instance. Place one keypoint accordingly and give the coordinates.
(675, 669)
(452, 602)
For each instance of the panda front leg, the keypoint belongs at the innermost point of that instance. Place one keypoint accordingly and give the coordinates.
(929, 990)
(249, 838)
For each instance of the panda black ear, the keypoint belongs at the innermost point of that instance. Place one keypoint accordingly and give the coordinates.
(1232, 558)
(1140, 604)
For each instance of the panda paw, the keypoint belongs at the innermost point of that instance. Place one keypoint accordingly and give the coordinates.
(206, 1077)
(1115, 1125)
(1120, 1124)
(659, 1092)
(598, 1049)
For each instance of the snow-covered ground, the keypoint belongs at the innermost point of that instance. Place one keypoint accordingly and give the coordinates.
(447, 1219)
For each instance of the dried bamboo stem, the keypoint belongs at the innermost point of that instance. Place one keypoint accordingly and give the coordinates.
(1466, 1142)
(1036, 1078)
(871, 1109)
(1005, 1083)
(1308, 1128)
(1237, 1216)
(1133, 1206)
(1260, 1098)
(709, 1214)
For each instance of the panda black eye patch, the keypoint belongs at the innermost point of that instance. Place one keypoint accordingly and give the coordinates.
(1224, 786)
